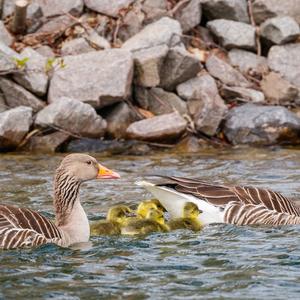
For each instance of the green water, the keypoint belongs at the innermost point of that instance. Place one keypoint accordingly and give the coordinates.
(221, 262)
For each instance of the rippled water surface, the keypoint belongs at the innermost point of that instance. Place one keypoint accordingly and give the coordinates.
(221, 262)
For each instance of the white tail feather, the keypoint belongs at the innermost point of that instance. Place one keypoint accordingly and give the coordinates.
(174, 202)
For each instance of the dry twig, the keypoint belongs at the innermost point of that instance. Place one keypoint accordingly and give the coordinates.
(257, 35)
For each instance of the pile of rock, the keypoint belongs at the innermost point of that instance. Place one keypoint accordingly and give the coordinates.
(151, 70)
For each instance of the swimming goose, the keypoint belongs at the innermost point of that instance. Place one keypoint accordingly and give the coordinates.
(116, 217)
(23, 227)
(239, 205)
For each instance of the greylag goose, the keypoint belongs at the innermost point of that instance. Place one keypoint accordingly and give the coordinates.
(239, 205)
(22, 227)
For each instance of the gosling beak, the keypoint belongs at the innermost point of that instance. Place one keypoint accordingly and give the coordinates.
(105, 173)
(131, 214)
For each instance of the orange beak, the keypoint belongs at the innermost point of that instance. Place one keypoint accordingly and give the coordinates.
(105, 173)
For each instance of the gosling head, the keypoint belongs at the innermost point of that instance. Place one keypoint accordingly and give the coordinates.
(85, 167)
(146, 205)
(156, 215)
(119, 214)
(191, 210)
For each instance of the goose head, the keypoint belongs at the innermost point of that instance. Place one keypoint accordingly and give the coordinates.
(144, 207)
(191, 210)
(84, 167)
(156, 215)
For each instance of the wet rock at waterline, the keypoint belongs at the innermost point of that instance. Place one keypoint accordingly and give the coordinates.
(14, 125)
(159, 101)
(160, 128)
(72, 116)
(232, 34)
(235, 10)
(280, 30)
(98, 78)
(15, 95)
(253, 124)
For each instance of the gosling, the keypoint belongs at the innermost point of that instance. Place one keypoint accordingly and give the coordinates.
(144, 207)
(154, 222)
(190, 219)
(116, 217)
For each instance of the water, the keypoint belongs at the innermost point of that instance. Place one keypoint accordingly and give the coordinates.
(220, 262)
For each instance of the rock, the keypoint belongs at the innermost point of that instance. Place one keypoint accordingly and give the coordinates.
(57, 24)
(45, 51)
(248, 62)
(225, 72)
(97, 41)
(5, 36)
(15, 96)
(34, 77)
(148, 63)
(191, 144)
(58, 7)
(205, 105)
(179, 66)
(159, 102)
(7, 56)
(164, 31)
(240, 93)
(73, 116)
(232, 34)
(286, 61)
(108, 7)
(265, 9)
(3, 105)
(99, 78)
(159, 128)
(14, 125)
(235, 10)
(280, 30)
(154, 10)
(253, 124)
(189, 16)
(46, 143)
(278, 90)
(76, 46)
(118, 120)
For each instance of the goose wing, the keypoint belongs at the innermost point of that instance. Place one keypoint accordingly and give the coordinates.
(221, 195)
(21, 227)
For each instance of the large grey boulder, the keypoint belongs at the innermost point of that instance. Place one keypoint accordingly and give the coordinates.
(148, 63)
(280, 30)
(235, 10)
(286, 61)
(58, 7)
(159, 128)
(248, 62)
(15, 95)
(5, 36)
(232, 34)
(119, 118)
(205, 105)
(278, 90)
(72, 116)
(7, 56)
(76, 46)
(164, 31)
(221, 70)
(242, 94)
(154, 10)
(179, 66)
(253, 124)
(34, 77)
(107, 7)
(99, 78)
(189, 15)
(159, 102)
(14, 125)
(265, 9)
(57, 24)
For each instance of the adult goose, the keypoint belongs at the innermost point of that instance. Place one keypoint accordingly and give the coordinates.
(239, 205)
(23, 227)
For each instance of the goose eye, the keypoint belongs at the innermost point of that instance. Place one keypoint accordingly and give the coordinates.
(89, 162)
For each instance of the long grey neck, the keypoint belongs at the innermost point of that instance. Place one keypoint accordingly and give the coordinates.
(66, 192)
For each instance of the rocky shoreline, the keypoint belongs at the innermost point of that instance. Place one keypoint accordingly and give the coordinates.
(126, 76)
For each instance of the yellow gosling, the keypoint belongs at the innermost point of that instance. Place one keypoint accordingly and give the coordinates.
(189, 220)
(116, 217)
(154, 222)
(144, 207)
